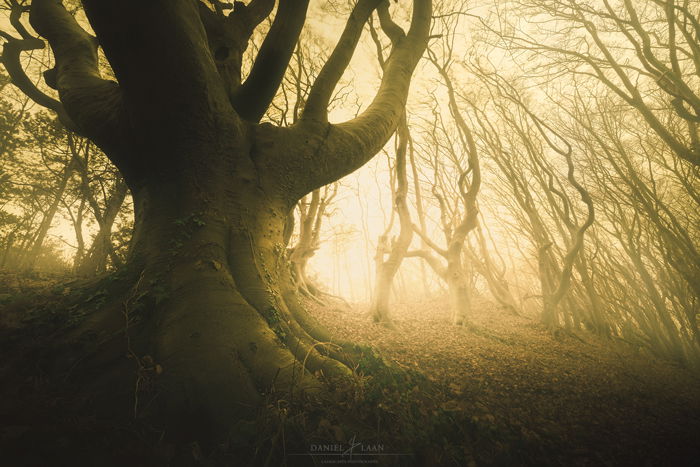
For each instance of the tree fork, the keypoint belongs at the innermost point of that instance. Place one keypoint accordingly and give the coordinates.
(212, 190)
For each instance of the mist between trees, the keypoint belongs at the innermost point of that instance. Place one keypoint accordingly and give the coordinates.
(546, 158)
(526, 121)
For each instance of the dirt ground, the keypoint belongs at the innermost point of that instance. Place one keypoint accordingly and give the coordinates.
(569, 399)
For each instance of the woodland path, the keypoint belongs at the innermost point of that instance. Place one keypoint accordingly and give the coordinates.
(541, 398)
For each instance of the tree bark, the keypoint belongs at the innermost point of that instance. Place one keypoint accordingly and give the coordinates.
(212, 192)
(386, 270)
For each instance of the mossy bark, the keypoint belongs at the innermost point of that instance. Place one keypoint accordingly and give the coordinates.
(223, 330)
(212, 186)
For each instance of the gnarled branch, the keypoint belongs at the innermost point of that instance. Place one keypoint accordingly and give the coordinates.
(93, 103)
(345, 147)
(11, 60)
(317, 104)
(253, 97)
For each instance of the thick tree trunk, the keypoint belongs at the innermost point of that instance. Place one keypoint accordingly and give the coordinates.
(211, 258)
(212, 187)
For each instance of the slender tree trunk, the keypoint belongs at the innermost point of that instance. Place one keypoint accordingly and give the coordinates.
(550, 312)
(311, 214)
(596, 313)
(49, 215)
(386, 270)
(495, 279)
(77, 221)
(420, 214)
(95, 261)
(459, 289)
(8, 247)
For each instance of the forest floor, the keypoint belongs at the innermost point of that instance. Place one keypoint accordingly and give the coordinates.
(509, 392)
(569, 399)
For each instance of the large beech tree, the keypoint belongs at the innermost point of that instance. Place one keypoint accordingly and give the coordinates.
(212, 186)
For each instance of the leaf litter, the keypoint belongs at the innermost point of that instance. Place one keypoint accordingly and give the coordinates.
(575, 398)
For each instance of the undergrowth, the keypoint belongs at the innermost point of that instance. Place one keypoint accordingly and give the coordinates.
(388, 414)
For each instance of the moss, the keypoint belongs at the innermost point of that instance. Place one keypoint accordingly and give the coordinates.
(274, 319)
(184, 228)
(371, 361)
(191, 220)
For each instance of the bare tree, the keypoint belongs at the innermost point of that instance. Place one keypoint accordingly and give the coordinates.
(456, 223)
(646, 52)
